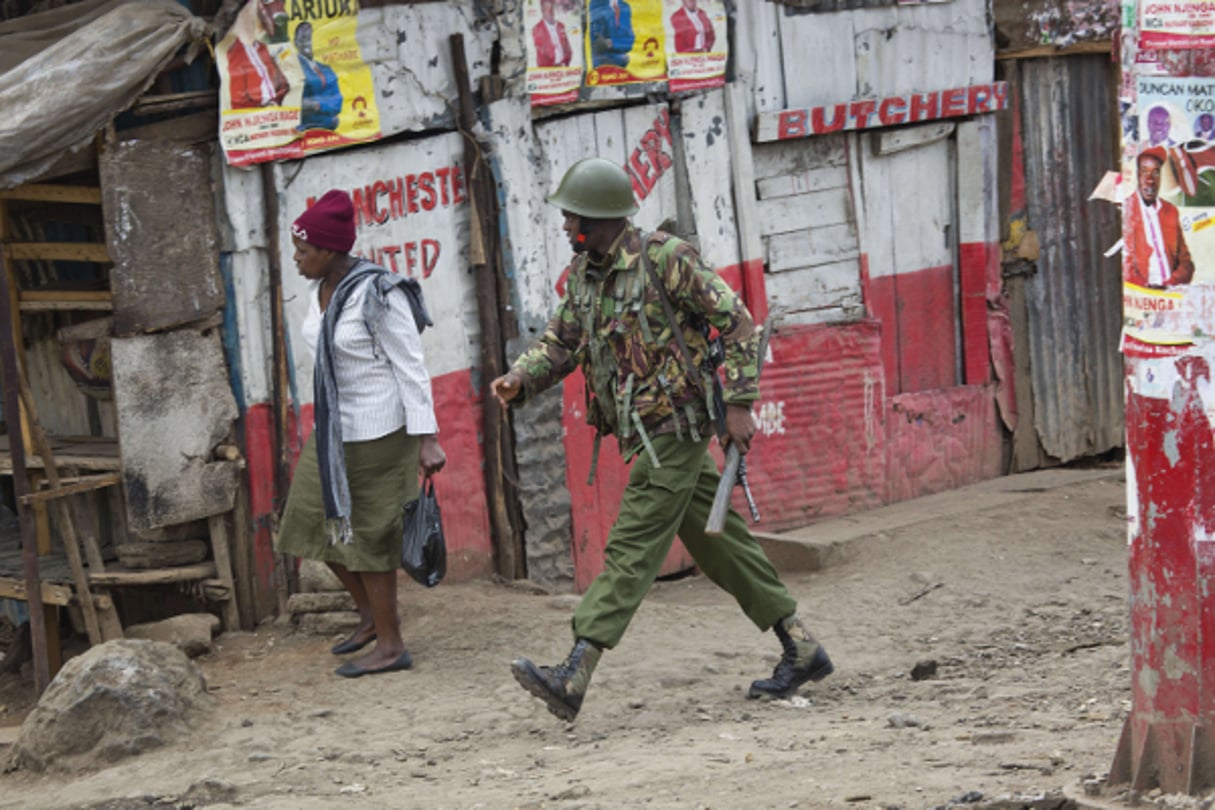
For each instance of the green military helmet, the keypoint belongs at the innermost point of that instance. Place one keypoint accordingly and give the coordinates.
(595, 188)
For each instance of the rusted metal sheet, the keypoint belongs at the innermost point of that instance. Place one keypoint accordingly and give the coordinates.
(1025, 24)
(939, 440)
(1074, 300)
(161, 233)
(174, 407)
(821, 446)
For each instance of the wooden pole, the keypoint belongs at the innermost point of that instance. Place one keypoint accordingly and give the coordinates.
(485, 255)
(281, 378)
(21, 486)
(221, 553)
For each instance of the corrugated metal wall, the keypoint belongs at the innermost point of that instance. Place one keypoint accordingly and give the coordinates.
(1074, 300)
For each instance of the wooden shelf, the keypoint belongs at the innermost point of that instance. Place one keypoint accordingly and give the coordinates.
(46, 192)
(63, 251)
(52, 300)
(52, 568)
(52, 593)
(152, 576)
(86, 453)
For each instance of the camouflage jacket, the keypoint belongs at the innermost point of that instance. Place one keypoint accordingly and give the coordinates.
(610, 321)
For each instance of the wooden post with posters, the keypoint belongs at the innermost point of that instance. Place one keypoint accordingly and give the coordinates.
(1168, 740)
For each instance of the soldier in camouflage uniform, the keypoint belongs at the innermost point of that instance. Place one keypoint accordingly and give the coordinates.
(645, 389)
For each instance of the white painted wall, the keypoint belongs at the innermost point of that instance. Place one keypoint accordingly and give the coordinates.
(841, 56)
(808, 226)
(451, 344)
(243, 234)
(978, 189)
(706, 146)
(908, 196)
(821, 205)
(408, 49)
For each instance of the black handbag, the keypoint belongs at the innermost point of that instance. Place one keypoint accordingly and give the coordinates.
(423, 549)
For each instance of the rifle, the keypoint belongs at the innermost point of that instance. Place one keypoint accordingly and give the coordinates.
(734, 472)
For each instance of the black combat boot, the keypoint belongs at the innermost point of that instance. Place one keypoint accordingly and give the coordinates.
(561, 687)
(804, 660)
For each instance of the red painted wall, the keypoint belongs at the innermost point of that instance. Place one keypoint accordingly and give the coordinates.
(940, 440)
(917, 312)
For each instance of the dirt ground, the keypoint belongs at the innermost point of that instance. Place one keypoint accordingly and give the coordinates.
(1021, 605)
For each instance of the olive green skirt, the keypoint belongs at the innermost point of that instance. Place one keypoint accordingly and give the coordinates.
(383, 475)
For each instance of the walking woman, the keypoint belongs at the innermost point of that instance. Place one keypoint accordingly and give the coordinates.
(375, 427)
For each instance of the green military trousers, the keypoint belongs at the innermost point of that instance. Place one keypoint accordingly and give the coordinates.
(660, 502)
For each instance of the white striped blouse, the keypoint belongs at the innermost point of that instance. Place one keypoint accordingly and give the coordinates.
(377, 395)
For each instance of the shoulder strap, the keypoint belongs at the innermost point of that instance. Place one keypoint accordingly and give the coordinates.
(667, 309)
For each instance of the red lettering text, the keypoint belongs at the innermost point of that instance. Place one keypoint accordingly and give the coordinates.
(791, 124)
(892, 111)
(860, 112)
(923, 107)
(819, 123)
(953, 102)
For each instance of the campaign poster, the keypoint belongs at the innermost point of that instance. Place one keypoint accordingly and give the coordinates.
(293, 82)
(624, 42)
(1168, 253)
(696, 43)
(1176, 24)
(554, 50)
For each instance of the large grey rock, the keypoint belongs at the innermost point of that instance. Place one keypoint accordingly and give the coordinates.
(317, 577)
(117, 700)
(328, 624)
(189, 632)
(324, 602)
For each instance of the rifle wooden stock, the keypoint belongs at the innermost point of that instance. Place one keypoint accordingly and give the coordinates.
(716, 523)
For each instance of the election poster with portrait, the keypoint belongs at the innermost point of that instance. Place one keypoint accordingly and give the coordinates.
(696, 44)
(293, 82)
(554, 50)
(576, 46)
(1168, 251)
(1176, 24)
(624, 42)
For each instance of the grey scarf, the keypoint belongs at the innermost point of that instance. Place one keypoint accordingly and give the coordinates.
(335, 489)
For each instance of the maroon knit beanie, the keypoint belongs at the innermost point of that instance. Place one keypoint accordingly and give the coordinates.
(328, 224)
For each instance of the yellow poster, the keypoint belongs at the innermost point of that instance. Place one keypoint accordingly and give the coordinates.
(624, 42)
(293, 82)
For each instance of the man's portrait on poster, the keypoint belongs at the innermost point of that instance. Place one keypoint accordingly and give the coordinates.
(1156, 254)
(550, 38)
(692, 28)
